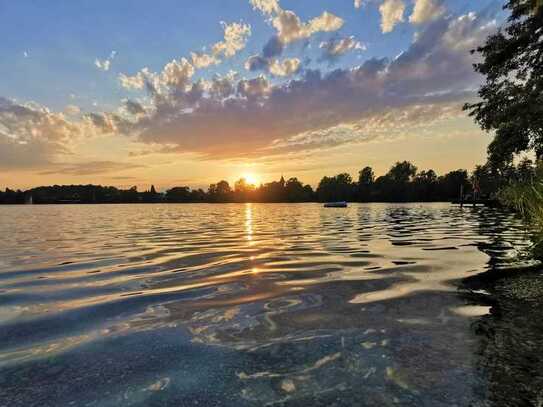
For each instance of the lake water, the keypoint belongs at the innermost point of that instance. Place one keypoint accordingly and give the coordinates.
(250, 304)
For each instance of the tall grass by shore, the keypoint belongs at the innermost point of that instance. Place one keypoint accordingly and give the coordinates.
(527, 199)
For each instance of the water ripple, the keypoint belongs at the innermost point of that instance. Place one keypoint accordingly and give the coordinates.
(295, 302)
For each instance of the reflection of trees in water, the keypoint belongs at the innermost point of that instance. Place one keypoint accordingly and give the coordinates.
(507, 237)
(511, 337)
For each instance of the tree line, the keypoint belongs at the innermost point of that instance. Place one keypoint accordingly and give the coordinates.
(402, 183)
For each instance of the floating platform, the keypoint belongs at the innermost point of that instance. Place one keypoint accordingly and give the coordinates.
(341, 204)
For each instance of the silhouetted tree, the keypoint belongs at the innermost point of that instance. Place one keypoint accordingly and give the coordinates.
(402, 172)
(338, 188)
(295, 191)
(198, 195)
(220, 192)
(450, 184)
(425, 185)
(151, 196)
(366, 179)
(178, 194)
(243, 191)
(512, 97)
(11, 197)
(395, 185)
(488, 179)
(131, 195)
(402, 183)
(273, 191)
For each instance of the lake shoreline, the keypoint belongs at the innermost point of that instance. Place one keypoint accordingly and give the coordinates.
(511, 334)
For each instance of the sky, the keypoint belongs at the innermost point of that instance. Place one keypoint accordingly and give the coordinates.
(191, 92)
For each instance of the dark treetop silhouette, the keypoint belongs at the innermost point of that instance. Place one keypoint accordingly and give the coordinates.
(402, 183)
(511, 100)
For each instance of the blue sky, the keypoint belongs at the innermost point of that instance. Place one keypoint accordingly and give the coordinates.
(49, 65)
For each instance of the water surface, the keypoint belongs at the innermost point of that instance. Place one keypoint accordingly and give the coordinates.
(250, 304)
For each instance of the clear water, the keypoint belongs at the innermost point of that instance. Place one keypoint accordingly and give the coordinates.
(248, 304)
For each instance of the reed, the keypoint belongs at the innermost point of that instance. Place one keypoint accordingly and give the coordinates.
(526, 198)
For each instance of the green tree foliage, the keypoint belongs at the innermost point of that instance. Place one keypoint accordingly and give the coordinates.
(512, 97)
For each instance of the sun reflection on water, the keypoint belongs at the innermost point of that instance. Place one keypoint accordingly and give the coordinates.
(249, 223)
(293, 301)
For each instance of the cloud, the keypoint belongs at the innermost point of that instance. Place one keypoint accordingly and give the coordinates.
(177, 73)
(133, 107)
(267, 7)
(201, 60)
(137, 81)
(440, 57)
(102, 65)
(253, 114)
(31, 135)
(257, 63)
(222, 87)
(339, 46)
(426, 10)
(391, 14)
(286, 67)
(105, 64)
(275, 67)
(273, 48)
(357, 3)
(235, 38)
(228, 116)
(72, 110)
(90, 168)
(254, 89)
(290, 28)
(387, 124)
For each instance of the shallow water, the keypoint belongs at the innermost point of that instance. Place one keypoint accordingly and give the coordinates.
(249, 304)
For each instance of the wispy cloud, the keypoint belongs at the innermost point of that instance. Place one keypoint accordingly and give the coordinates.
(336, 47)
(90, 168)
(105, 64)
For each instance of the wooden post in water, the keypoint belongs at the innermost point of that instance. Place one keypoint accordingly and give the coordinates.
(461, 196)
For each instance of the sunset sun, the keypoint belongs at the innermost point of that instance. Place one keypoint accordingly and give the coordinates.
(251, 178)
(305, 202)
